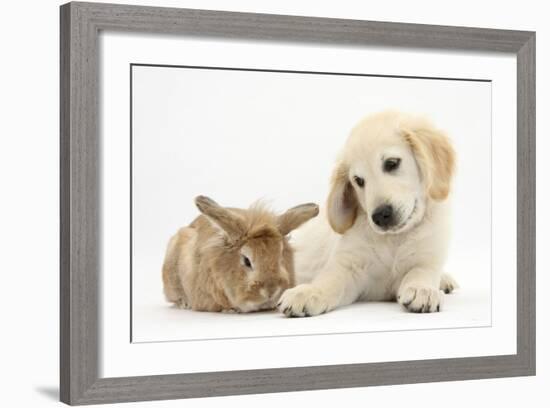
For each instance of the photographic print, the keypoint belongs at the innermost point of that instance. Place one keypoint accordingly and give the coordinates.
(273, 203)
(255, 203)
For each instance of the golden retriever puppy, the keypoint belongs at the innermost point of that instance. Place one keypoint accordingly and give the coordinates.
(385, 230)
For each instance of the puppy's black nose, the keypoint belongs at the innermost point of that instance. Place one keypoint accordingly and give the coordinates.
(383, 216)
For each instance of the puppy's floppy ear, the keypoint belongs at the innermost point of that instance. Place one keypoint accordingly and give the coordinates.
(295, 217)
(435, 157)
(232, 224)
(342, 203)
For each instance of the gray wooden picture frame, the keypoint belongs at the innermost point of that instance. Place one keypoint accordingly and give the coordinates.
(80, 192)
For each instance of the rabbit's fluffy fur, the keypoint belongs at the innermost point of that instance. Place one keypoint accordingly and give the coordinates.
(385, 231)
(232, 259)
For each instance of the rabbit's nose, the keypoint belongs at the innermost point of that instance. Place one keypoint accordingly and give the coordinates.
(256, 285)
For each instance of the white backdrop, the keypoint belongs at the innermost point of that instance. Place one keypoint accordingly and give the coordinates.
(30, 180)
(238, 136)
(121, 358)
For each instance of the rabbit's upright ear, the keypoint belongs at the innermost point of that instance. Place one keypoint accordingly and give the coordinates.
(342, 203)
(295, 217)
(231, 223)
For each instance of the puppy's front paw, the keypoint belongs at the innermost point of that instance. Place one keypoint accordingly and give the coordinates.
(303, 301)
(421, 299)
(448, 284)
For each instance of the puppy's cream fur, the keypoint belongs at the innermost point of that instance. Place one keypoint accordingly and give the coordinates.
(342, 256)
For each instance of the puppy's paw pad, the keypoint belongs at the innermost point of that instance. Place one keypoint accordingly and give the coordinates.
(302, 301)
(448, 284)
(420, 299)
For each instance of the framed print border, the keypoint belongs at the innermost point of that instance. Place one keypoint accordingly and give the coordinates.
(80, 191)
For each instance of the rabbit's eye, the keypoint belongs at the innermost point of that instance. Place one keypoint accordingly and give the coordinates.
(246, 262)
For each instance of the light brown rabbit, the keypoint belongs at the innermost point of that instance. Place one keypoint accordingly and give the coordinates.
(232, 259)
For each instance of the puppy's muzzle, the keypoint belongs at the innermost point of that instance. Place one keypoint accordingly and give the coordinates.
(384, 216)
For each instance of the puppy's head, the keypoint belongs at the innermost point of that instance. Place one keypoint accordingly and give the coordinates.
(392, 165)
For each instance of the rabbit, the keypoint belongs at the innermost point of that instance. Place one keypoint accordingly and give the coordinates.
(232, 260)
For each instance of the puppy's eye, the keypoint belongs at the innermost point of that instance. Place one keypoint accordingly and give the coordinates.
(359, 181)
(391, 164)
(246, 262)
